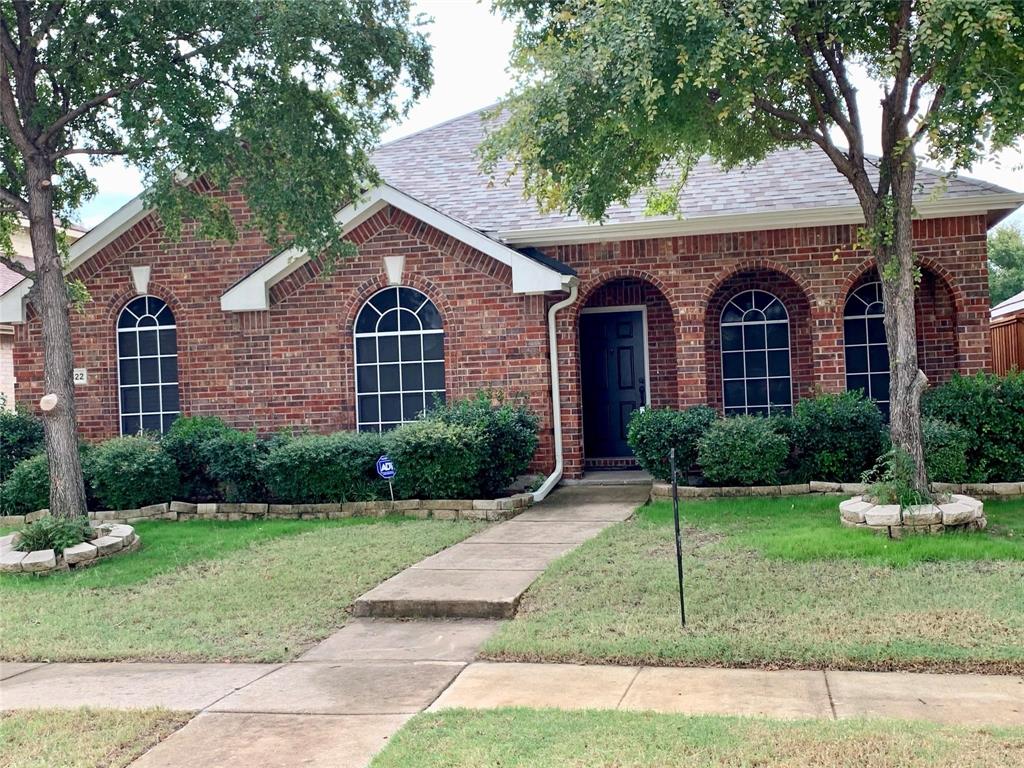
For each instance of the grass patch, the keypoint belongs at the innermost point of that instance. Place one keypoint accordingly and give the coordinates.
(214, 591)
(82, 738)
(778, 583)
(556, 739)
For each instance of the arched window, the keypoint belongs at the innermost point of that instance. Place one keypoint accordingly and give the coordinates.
(867, 354)
(147, 366)
(756, 376)
(399, 358)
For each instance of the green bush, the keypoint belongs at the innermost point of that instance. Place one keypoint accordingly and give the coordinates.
(234, 462)
(653, 433)
(742, 450)
(437, 460)
(132, 472)
(508, 433)
(320, 469)
(836, 437)
(21, 436)
(27, 488)
(56, 533)
(945, 451)
(991, 409)
(187, 443)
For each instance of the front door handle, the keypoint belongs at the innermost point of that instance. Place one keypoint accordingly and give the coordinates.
(643, 392)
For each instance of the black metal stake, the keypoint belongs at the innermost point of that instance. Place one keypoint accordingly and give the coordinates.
(679, 538)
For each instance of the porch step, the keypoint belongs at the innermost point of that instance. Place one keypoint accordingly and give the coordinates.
(613, 477)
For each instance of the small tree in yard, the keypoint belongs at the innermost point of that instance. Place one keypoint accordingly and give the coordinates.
(611, 92)
(288, 98)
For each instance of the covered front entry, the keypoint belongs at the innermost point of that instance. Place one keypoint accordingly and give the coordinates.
(614, 375)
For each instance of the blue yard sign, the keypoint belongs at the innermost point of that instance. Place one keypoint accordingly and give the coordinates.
(386, 468)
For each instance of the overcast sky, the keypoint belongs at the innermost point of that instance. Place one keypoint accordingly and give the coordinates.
(471, 48)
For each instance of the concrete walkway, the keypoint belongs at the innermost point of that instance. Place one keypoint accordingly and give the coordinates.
(951, 699)
(486, 575)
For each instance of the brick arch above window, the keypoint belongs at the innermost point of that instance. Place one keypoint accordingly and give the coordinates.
(754, 265)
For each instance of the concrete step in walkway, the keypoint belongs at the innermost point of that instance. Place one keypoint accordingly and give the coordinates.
(982, 700)
(486, 575)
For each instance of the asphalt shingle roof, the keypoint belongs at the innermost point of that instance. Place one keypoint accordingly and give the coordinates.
(439, 167)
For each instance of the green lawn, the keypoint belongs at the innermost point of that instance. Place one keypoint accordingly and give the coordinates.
(82, 738)
(778, 583)
(557, 739)
(209, 591)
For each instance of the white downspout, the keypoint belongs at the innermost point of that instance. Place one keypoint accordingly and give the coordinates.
(556, 400)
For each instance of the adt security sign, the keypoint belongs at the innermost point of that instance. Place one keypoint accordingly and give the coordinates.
(386, 468)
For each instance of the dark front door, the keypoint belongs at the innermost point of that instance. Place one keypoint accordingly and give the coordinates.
(612, 372)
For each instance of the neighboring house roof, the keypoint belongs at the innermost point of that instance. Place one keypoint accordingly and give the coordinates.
(23, 250)
(1011, 306)
(439, 166)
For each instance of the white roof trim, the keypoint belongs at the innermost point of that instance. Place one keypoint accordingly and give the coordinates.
(252, 294)
(747, 222)
(12, 303)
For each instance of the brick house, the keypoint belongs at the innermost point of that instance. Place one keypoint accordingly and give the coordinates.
(751, 300)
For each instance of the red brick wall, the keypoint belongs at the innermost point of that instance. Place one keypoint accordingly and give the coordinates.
(816, 267)
(292, 365)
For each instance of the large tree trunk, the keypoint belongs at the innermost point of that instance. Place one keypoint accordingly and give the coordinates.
(898, 273)
(49, 296)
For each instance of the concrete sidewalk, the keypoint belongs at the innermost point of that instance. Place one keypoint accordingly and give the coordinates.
(486, 575)
(950, 699)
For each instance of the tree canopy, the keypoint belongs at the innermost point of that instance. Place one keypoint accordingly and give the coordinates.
(290, 98)
(612, 94)
(1005, 263)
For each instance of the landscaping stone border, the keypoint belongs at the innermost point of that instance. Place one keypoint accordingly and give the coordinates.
(663, 491)
(437, 509)
(111, 539)
(959, 513)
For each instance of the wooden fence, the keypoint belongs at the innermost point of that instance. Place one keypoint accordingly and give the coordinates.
(1007, 343)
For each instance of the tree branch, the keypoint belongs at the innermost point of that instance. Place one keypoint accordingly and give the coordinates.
(9, 111)
(53, 10)
(99, 100)
(88, 151)
(16, 266)
(7, 44)
(15, 201)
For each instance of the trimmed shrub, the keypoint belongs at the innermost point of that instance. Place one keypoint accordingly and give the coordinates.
(27, 488)
(653, 433)
(56, 533)
(991, 409)
(320, 469)
(437, 460)
(187, 444)
(742, 450)
(945, 451)
(508, 434)
(835, 437)
(234, 461)
(21, 436)
(132, 472)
